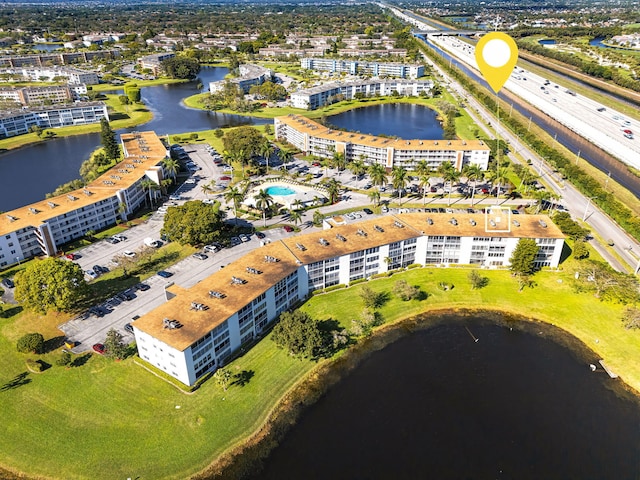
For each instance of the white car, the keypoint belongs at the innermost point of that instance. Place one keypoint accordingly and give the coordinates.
(190, 181)
(129, 253)
(91, 274)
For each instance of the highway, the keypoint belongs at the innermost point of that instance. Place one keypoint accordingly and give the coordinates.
(580, 207)
(601, 126)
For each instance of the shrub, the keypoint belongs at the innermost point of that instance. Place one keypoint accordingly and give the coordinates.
(30, 343)
(64, 360)
(335, 287)
(356, 282)
(414, 265)
(34, 365)
(405, 291)
(580, 250)
(445, 286)
(477, 281)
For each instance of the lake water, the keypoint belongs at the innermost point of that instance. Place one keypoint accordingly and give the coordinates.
(547, 41)
(436, 404)
(404, 120)
(52, 163)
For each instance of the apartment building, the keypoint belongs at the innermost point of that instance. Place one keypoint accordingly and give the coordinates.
(198, 328)
(355, 67)
(20, 122)
(154, 62)
(53, 58)
(38, 95)
(315, 139)
(316, 97)
(249, 75)
(41, 228)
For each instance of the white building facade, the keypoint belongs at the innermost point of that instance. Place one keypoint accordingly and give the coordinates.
(313, 138)
(316, 97)
(355, 67)
(197, 329)
(249, 75)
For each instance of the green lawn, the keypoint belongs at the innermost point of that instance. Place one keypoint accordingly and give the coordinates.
(118, 419)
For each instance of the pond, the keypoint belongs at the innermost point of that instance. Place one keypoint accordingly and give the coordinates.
(404, 120)
(513, 405)
(55, 162)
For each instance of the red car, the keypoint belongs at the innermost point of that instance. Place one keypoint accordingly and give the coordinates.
(288, 228)
(71, 256)
(225, 178)
(99, 348)
(315, 164)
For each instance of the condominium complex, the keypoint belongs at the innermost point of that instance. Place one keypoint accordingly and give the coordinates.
(53, 58)
(154, 62)
(316, 97)
(40, 95)
(21, 121)
(49, 74)
(355, 67)
(249, 75)
(198, 328)
(313, 138)
(42, 227)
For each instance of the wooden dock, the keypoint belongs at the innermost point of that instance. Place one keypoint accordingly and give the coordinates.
(606, 369)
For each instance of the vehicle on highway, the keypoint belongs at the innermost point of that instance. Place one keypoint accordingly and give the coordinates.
(129, 253)
(7, 282)
(200, 256)
(628, 133)
(99, 348)
(164, 274)
(601, 109)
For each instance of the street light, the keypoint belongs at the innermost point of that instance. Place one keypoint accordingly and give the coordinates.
(584, 217)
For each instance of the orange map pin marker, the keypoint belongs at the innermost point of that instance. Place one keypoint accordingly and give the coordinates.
(496, 55)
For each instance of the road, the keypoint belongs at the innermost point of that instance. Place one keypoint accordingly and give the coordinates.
(580, 207)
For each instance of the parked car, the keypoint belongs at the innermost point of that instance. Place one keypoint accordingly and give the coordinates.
(368, 211)
(200, 256)
(235, 241)
(97, 269)
(164, 274)
(244, 238)
(99, 348)
(260, 235)
(119, 237)
(211, 248)
(143, 287)
(129, 253)
(112, 240)
(7, 282)
(288, 228)
(128, 327)
(91, 274)
(72, 256)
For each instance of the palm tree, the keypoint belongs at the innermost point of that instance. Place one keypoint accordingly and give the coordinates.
(266, 150)
(358, 168)
(399, 181)
(423, 168)
(339, 160)
(424, 184)
(378, 175)
(473, 173)
(206, 189)
(285, 157)
(263, 202)
(148, 186)
(333, 188)
(297, 204)
(450, 175)
(318, 217)
(295, 216)
(171, 166)
(236, 197)
(165, 183)
(374, 196)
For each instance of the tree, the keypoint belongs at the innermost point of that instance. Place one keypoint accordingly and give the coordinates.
(171, 165)
(31, 343)
(333, 189)
(606, 283)
(263, 202)
(193, 223)
(182, 67)
(236, 197)
(114, 346)
(150, 187)
(108, 140)
(64, 359)
(50, 284)
(285, 157)
(247, 139)
(266, 150)
(300, 334)
(449, 175)
(132, 92)
(371, 298)
(318, 217)
(522, 261)
(405, 291)
(477, 281)
(222, 378)
(399, 180)
(378, 175)
(569, 226)
(295, 216)
(473, 173)
(580, 250)
(374, 196)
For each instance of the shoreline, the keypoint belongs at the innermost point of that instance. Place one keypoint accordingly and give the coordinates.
(246, 457)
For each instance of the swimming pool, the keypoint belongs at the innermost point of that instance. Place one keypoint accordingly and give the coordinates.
(280, 190)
